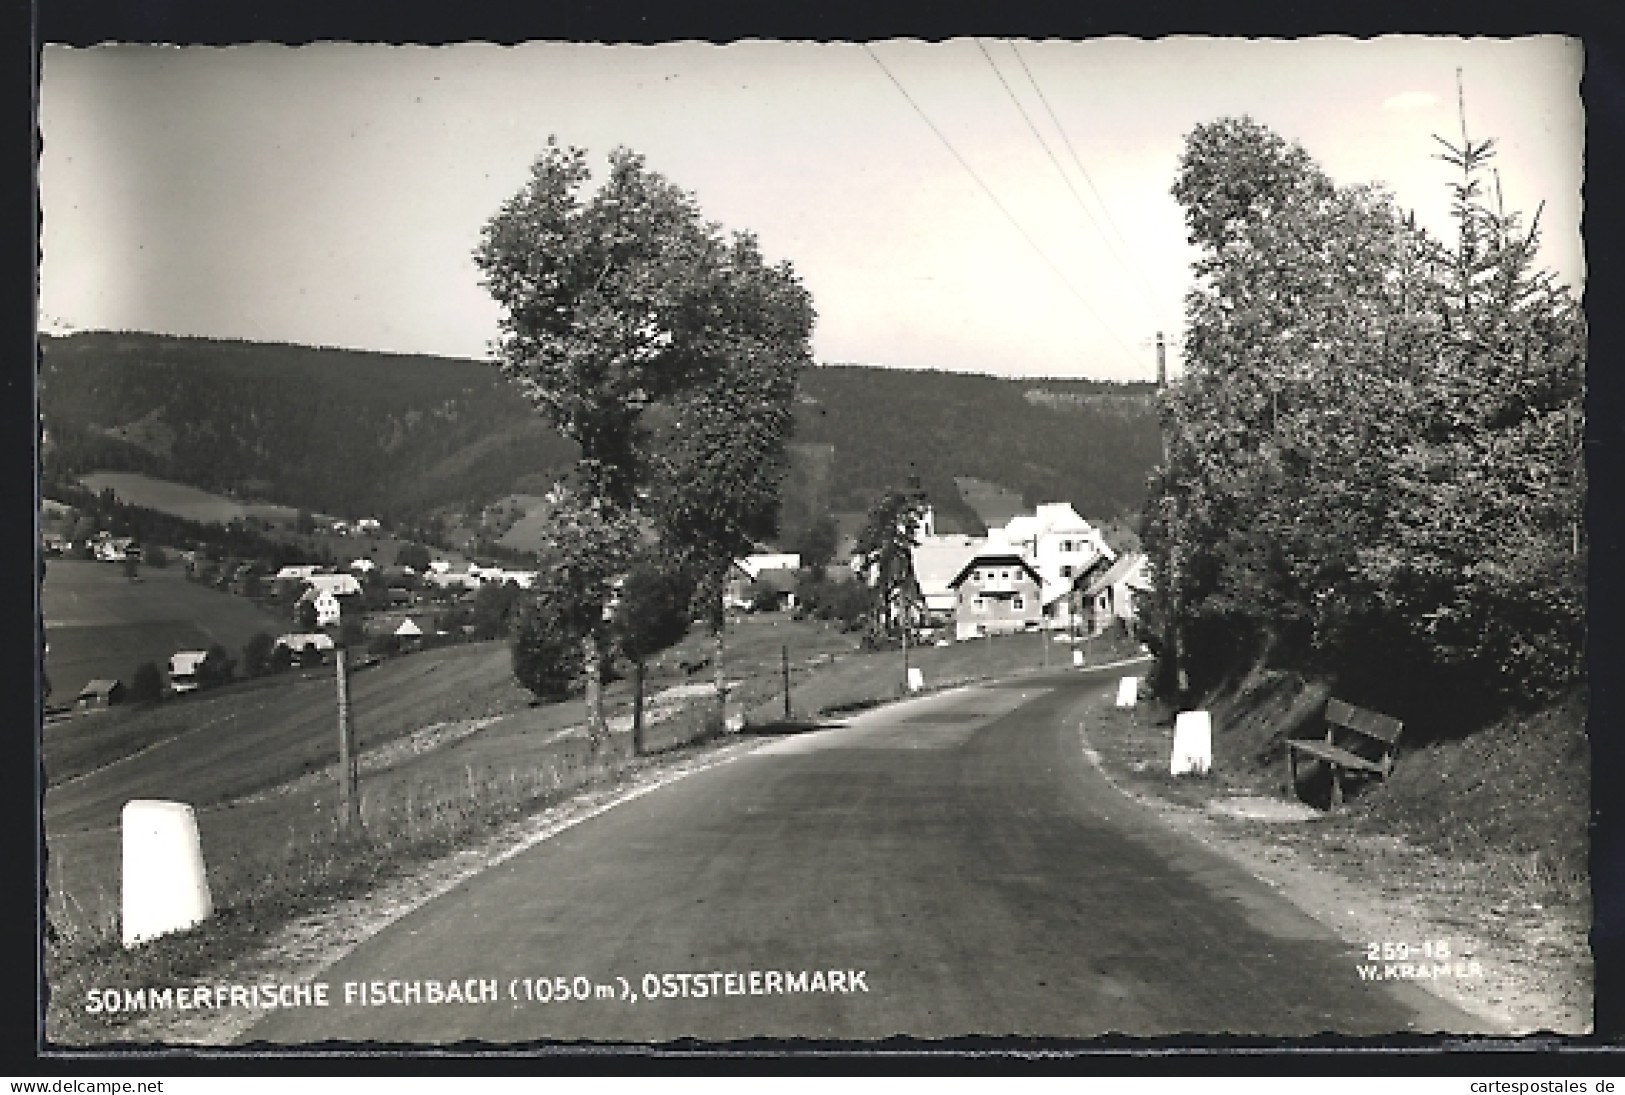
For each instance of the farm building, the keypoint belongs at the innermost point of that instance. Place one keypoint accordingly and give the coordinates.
(183, 667)
(409, 634)
(100, 693)
(339, 585)
(311, 648)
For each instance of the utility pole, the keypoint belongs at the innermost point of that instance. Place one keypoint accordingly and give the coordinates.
(349, 798)
(1172, 639)
(784, 662)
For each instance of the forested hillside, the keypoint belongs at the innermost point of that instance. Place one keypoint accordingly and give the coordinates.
(1090, 443)
(356, 434)
(340, 431)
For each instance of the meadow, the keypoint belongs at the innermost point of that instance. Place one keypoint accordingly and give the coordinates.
(179, 500)
(100, 624)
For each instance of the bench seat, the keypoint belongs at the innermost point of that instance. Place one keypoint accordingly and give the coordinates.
(1340, 757)
(1347, 725)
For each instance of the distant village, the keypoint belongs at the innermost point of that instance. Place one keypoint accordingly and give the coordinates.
(1046, 570)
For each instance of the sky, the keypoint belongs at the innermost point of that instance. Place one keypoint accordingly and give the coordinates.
(974, 205)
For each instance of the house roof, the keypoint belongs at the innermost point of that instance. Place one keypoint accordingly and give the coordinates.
(100, 687)
(996, 556)
(1121, 569)
(778, 579)
(187, 661)
(308, 638)
(939, 559)
(753, 565)
(408, 628)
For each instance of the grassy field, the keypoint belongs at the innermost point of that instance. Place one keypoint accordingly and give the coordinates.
(100, 624)
(135, 489)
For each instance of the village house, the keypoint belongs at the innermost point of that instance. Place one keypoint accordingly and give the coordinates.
(339, 585)
(747, 574)
(308, 648)
(98, 694)
(937, 562)
(1060, 545)
(996, 592)
(328, 609)
(183, 667)
(409, 635)
(1108, 591)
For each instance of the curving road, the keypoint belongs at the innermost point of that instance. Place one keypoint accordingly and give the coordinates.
(957, 853)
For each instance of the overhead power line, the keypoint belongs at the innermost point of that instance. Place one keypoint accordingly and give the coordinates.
(1065, 178)
(994, 198)
(1059, 128)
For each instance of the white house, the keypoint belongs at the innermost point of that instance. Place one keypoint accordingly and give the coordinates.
(364, 565)
(295, 574)
(183, 666)
(368, 526)
(327, 605)
(339, 585)
(1061, 545)
(754, 564)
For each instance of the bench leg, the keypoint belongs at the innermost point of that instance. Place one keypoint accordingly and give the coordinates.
(1337, 787)
(1291, 773)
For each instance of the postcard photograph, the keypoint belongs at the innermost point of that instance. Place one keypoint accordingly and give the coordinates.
(978, 542)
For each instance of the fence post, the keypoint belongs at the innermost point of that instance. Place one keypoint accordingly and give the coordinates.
(349, 800)
(784, 661)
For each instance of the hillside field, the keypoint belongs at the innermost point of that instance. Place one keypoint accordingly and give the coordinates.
(179, 500)
(99, 624)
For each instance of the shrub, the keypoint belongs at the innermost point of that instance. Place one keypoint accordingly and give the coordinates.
(147, 685)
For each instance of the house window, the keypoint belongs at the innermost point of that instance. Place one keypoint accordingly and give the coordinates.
(979, 605)
(1004, 575)
(1066, 545)
(1066, 571)
(1017, 603)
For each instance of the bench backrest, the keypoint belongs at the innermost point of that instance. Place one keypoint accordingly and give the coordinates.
(1370, 724)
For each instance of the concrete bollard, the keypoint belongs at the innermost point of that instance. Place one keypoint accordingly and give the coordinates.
(916, 679)
(165, 888)
(1128, 691)
(1077, 657)
(1193, 744)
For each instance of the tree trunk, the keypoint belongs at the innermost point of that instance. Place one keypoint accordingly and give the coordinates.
(637, 709)
(597, 731)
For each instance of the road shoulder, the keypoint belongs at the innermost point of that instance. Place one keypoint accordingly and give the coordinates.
(1518, 966)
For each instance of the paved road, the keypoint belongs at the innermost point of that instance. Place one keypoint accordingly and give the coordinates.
(958, 850)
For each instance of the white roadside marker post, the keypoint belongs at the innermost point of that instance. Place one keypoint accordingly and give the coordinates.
(1128, 691)
(164, 886)
(1193, 744)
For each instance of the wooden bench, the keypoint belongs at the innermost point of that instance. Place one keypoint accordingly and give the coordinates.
(1356, 740)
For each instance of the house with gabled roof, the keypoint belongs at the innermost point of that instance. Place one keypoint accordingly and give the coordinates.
(996, 591)
(1108, 592)
(937, 562)
(1061, 545)
(99, 693)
